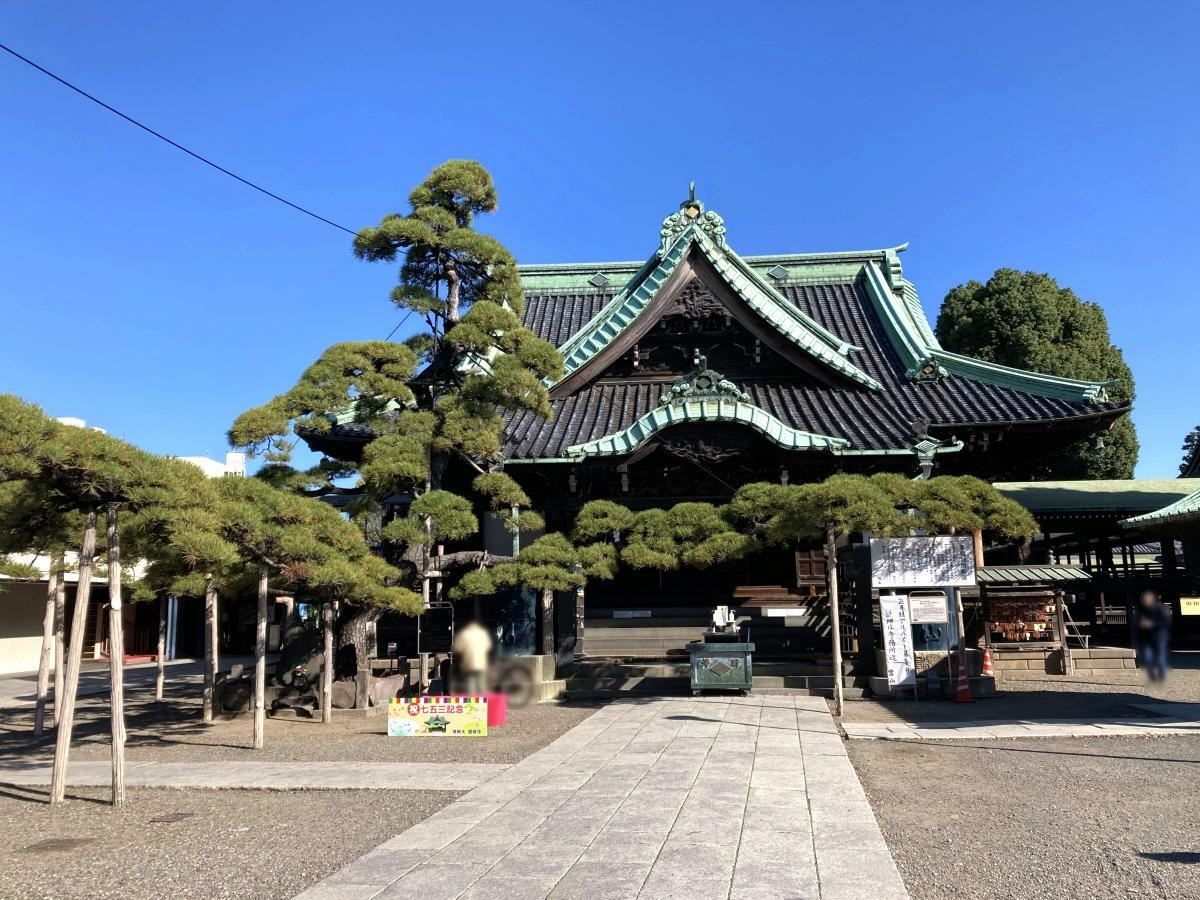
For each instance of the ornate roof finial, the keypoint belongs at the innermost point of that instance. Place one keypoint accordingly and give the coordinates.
(691, 207)
(691, 212)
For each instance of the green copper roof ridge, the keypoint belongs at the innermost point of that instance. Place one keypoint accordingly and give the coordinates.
(760, 259)
(706, 409)
(1055, 386)
(812, 338)
(806, 334)
(1183, 509)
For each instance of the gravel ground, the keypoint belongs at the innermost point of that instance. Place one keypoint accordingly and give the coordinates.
(1031, 695)
(171, 731)
(210, 844)
(1071, 818)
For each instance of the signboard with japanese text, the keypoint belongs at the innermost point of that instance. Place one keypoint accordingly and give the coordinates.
(922, 562)
(438, 717)
(897, 640)
(929, 608)
(1189, 606)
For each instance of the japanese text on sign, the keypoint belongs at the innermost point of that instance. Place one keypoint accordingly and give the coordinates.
(897, 640)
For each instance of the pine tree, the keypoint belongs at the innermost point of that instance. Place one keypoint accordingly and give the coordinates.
(435, 400)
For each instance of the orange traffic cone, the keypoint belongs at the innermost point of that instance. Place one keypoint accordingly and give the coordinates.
(963, 694)
(988, 671)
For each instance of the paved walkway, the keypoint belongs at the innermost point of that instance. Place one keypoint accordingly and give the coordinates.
(662, 798)
(1172, 718)
(279, 776)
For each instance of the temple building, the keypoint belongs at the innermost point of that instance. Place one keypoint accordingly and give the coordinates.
(699, 370)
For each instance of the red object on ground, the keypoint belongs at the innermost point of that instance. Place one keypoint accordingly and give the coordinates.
(988, 671)
(497, 709)
(963, 694)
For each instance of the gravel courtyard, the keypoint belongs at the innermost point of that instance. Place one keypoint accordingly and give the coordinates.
(205, 844)
(1072, 818)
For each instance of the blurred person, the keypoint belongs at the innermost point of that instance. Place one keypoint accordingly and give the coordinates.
(472, 646)
(1152, 634)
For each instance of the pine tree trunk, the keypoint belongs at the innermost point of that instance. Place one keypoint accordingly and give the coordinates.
(44, 663)
(160, 674)
(70, 686)
(452, 294)
(547, 622)
(327, 665)
(358, 633)
(210, 646)
(60, 626)
(831, 581)
(260, 662)
(116, 659)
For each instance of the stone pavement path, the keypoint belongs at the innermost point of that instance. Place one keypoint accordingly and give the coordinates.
(662, 798)
(280, 776)
(1174, 718)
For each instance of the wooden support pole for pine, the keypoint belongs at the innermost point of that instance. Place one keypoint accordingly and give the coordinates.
(547, 622)
(327, 665)
(160, 673)
(210, 646)
(260, 662)
(977, 540)
(60, 625)
(831, 583)
(116, 659)
(70, 686)
(43, 676)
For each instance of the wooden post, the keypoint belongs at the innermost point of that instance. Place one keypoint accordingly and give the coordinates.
(831, 582)
(116, 659)
(160, 674)
(60, 625)
(327, 665)
(210, 646)
(977, 539)
(70, 686)
(1060, 609)
(547, 622)
(260, 662)
(43, 676)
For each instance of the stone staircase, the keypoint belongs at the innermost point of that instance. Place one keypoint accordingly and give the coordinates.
(608, 678)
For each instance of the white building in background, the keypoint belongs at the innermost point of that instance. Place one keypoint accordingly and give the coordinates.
(22, 604)
(235, 465)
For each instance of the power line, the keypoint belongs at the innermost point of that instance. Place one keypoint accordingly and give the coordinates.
(176, 145)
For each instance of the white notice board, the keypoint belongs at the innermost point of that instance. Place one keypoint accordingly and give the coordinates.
(897, 640)
(922, 562)
(929, 608)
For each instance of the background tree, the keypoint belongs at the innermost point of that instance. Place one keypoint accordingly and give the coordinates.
(1026, 320)
(1190, 445)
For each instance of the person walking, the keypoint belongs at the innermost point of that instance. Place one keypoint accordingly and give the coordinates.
(472, 646)
(1153, 634)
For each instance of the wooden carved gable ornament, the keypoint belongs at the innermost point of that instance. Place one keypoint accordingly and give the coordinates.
(703, 383)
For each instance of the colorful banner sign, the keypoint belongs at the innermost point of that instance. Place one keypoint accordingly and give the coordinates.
(438, 717)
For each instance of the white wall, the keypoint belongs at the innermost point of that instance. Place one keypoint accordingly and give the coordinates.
(21, 608)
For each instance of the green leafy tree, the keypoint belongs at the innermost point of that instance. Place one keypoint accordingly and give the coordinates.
(1026, 320)
(1191, 443)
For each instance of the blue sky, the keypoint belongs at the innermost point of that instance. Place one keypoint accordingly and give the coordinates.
(157, 298)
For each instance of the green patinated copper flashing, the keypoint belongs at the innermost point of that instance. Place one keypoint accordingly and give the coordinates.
(705, 409)
(1023, 380)
(706, 231)
(1185, 509)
